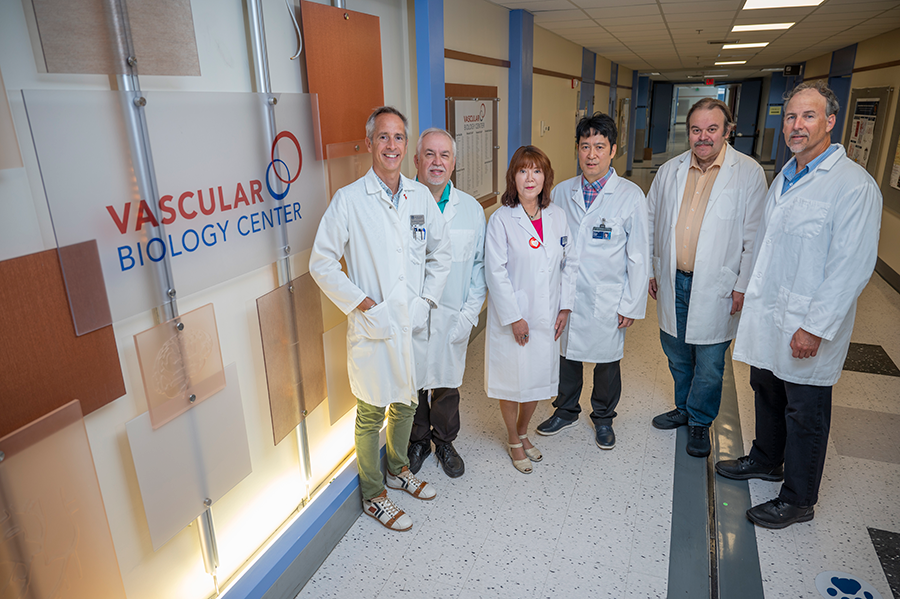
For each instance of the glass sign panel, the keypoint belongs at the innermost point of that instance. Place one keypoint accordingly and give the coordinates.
(229, 200)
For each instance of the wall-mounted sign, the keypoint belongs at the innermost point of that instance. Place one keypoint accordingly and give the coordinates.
(792, 70)
(774, 110)
(473, 125)
(710, 82)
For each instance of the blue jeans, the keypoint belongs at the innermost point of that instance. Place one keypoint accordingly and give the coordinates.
(697, 369)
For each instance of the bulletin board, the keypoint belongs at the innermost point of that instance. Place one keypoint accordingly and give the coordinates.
(473, 123)
(865, 125)
(890, 179)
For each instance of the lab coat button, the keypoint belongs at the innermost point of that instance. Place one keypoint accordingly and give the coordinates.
(405, 329)
(401, 277)
(399, 250)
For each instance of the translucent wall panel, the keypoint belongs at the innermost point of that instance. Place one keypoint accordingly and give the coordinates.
(181, 363)
(340, 398)
(218, 215)
(290, 323)
(85, 287)
(91, 36)
(43, 364)
(54, 536)
(200, 456)
(346, 163)
(9, 146)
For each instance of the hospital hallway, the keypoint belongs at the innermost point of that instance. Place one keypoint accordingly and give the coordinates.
(646, 520)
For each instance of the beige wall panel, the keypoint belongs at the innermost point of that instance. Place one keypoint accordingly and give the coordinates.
(555, 104)
(9, 147)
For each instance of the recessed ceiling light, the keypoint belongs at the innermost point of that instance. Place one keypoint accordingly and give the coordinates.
(756, 4)
(762, 27)
(739, 46)
(719, 64)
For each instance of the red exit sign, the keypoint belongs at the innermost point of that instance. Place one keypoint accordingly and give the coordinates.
(710, 82)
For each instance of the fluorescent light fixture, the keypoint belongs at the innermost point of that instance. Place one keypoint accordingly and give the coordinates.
(726, 62)
(756, 4)
(773, 69)
(762, 27)
(654, 73)
(739, 46)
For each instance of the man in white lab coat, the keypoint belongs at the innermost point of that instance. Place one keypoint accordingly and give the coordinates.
(437, 416)
(394, 241)
(607, 216)
(705, 206)
(814, 254)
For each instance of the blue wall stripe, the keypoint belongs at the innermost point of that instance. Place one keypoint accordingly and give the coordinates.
(632, 121)
(588, 75)
(521, 76)
(430, 63)
(613, 89)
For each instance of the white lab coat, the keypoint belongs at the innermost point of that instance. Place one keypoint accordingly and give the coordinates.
(457, 312)
(385, 263)
(815, 252)
(724, 246)
(533, 283)
(612, 273)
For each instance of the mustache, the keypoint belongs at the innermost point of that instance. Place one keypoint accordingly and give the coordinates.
(703, 143)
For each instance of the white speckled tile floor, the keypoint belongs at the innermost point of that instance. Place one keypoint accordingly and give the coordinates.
(855, 493)
(585, 523)
(592, 523)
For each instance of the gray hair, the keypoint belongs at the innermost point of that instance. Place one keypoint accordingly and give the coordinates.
(711, 104)
(431, 130)
(370, 122)
(832, 106)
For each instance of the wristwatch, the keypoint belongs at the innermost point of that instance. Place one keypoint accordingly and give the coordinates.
(431, 304)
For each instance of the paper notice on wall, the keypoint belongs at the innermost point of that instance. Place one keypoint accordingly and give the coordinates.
(475, 147)
(862, 130)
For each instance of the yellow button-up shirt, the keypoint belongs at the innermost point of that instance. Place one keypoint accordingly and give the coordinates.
(697, 188)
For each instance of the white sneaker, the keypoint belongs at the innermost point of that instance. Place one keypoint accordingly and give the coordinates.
(408, 482)
(383, 509)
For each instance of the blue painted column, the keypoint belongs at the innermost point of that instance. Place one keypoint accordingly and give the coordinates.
(839, 76)
(521, 76)
(588, 75)
(613, 89)
(632, 123)
(430, 63)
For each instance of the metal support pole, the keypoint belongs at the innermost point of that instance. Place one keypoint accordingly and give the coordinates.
(206, 529)
(263, 85)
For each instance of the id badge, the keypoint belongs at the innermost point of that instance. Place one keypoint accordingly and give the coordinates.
(602, 232)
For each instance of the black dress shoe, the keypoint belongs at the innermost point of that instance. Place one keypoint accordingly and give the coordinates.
(450, 461)
(670, 420)
(606, 438)
(417, 452)
(698, 441)
(553, 425)
(778, 514)
(745, 468)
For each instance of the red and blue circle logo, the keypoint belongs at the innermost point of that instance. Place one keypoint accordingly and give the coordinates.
(272, 160)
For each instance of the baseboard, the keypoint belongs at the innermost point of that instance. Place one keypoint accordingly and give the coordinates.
(888, 274)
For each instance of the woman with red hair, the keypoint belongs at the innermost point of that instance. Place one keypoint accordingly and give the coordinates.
(531, 290)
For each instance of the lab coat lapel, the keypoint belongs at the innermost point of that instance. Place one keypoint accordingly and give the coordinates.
(525, 222)
(605, 193)
(451, 206)
(680, 182)
(577, 195)
(723, 177)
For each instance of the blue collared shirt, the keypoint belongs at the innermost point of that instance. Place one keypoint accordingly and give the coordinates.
(395, 197)
(592, 190)
(791, 176)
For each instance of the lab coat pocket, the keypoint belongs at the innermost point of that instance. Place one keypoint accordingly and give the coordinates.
(790, 310)
(461, 330)
(463, 245)
(606, 302)
(726, 206)
(805, 218)
(417, 250)
(375, 323)
(727, 279)
(418, 314)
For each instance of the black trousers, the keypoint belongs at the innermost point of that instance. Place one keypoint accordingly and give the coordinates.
(604, 396)
(792, 425)
(438, 422)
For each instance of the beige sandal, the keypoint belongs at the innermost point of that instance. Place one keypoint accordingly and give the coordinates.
(534, 454)
(523, 466)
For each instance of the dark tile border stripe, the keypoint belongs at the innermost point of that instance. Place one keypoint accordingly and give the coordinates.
(739, 576)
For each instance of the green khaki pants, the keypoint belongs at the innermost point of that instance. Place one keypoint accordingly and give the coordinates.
(368, 423)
